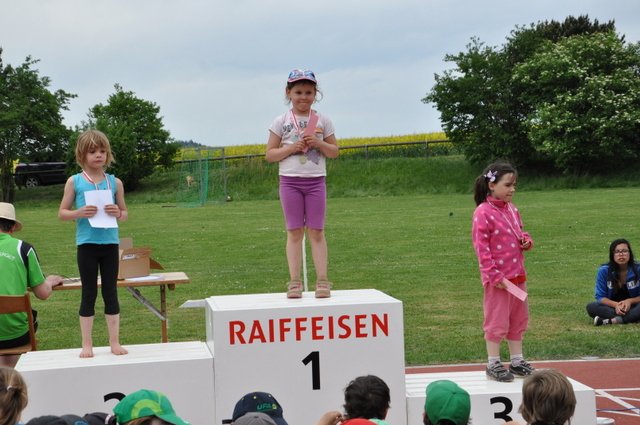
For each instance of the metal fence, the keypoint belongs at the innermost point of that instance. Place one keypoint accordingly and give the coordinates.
(377, 150)
(411, 149)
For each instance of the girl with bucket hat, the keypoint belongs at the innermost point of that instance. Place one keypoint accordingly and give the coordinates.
(299, 141)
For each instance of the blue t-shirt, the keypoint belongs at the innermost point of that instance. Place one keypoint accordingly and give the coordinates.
(84, 232)
(606, 288)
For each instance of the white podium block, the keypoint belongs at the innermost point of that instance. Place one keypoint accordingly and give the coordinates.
(492, 403)
(305, 351)
(59, 382)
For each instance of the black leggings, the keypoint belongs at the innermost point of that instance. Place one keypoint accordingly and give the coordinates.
(92, 257)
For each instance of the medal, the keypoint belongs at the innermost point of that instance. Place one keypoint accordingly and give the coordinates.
(512, 221)
(300, 133)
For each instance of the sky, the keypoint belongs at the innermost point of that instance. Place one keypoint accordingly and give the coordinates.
(217, 68)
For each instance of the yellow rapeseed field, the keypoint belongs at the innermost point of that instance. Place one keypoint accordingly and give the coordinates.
(192, 153)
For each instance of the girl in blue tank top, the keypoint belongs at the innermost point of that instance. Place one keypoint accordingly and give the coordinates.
(97, 246)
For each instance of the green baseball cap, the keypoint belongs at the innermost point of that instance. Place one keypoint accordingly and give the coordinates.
(144, 403)
(446, 400)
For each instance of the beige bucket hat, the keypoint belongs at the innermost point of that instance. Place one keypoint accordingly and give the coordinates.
(9, 212)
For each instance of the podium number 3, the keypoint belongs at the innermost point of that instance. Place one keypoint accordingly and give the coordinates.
(508, 407)
(314, 359)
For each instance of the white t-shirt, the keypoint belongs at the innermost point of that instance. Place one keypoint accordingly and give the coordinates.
(310, 164)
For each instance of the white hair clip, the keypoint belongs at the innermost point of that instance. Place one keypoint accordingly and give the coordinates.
(491, 176)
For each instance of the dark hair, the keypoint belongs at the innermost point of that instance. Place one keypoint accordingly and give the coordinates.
(614, 268)
(6, 225)
(496, 170)
(367, 397)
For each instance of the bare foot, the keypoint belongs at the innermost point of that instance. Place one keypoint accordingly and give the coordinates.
(118, 349)
(86, 352)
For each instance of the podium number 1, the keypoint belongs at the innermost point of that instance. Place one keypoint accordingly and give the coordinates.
(314, 359)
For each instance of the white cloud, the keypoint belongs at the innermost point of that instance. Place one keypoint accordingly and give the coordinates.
(217, 68)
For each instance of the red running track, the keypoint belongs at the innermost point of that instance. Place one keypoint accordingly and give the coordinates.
(616, 383)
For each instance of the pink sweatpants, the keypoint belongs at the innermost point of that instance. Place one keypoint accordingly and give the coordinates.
(505, 316)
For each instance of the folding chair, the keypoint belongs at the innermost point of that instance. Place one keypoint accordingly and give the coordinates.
(18, 304)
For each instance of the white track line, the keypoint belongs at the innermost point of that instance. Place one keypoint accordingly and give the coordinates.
(620, 401)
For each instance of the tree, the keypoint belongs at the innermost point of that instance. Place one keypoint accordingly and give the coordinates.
(481, 107)
(138, 138)
(30, 120)
(586, 92)
(477, 106)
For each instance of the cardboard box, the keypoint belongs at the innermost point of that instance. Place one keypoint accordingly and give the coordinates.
(135, 262)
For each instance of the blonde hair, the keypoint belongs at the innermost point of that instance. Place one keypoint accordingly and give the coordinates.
(89, 140)
(547, 398)
(13, 396)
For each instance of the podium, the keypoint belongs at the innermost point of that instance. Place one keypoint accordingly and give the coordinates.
(302, 351)
(492, 403)
(60, 382)
(305, 351)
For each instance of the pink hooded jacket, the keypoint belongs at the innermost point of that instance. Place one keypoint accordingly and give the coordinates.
(496, 233)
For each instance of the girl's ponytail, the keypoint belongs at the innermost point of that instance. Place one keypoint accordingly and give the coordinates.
(13, 396)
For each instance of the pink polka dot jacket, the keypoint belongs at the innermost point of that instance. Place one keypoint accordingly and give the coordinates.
(497, 234)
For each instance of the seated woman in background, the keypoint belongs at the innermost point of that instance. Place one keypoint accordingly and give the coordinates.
(617, 289)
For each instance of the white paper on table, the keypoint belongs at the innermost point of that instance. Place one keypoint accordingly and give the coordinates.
(100, 198)
(145, 278)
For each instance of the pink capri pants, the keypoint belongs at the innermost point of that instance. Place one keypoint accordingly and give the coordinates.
(505, 316)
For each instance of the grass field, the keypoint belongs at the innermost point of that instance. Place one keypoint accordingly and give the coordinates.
(414, 247)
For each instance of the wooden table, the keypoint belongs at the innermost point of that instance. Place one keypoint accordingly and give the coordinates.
(162, 280)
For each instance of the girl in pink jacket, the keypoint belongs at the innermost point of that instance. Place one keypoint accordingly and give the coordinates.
(499, 242)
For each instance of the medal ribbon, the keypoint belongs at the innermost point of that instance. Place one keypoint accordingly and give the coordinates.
(300, 132)
(86, 176)
(296, 124)
(518, 234)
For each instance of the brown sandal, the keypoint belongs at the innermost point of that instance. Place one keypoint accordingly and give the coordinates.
(323, 289)
(294, 289)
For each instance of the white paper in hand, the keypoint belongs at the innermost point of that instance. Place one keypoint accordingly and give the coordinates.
(100, 198)
(515, 291)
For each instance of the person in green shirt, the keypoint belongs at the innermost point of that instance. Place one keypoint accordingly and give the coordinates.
(19, 270)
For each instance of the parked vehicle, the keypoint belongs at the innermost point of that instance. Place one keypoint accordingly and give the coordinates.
(40, 173)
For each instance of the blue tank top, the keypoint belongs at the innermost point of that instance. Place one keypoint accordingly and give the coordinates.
(84, 232)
